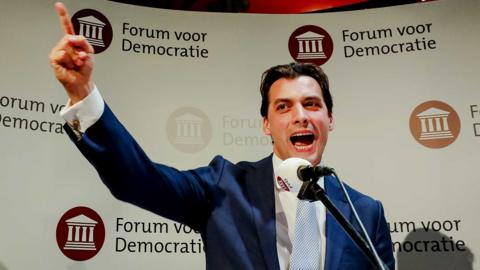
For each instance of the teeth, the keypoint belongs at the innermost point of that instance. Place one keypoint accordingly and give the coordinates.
(302, 134)
(302, 147)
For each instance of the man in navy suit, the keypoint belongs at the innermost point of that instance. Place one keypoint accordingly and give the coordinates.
(244, 215)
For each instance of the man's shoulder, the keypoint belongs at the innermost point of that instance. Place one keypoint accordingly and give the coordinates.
(227, 172)
(242, 165)
(355, 195)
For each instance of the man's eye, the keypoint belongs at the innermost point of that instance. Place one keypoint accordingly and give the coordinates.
(312, 104)
(281, 107)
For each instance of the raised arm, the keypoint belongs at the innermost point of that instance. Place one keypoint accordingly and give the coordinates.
(124, 167)
(72, 59)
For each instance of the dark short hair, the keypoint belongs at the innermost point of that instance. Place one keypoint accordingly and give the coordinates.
(292, 71)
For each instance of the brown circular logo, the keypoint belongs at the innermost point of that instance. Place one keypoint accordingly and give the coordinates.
(310, 44)
(189, 130)
(95, 27)
(80, 233)
(434, 124)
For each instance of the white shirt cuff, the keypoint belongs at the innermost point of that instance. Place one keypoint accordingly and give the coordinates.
(83, 114)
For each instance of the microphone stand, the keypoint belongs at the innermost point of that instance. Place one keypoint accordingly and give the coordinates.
(311, 191)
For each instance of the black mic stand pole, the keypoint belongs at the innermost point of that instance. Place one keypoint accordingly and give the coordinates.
(311, 191)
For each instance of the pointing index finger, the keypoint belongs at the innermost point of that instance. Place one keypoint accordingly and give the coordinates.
(64, 18)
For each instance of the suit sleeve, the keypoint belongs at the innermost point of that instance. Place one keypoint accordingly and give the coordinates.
(383, 240)
(131, 176)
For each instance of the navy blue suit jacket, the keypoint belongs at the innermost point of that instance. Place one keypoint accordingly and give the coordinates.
(232, 205)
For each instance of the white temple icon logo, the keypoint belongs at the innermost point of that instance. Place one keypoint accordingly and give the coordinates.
(310, 46)
(92, 28)
(80, 233)
(434, 124)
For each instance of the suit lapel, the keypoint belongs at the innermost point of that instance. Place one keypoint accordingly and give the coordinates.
(261, 192)
(336, 236)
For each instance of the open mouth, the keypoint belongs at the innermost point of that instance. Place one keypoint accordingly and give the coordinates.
(302, 140)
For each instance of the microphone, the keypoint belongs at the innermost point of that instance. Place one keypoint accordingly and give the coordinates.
(293, 172)
(309, 172)
(302, 170)
(287, 173)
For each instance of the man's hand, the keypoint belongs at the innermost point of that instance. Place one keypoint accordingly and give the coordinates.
(72, 59)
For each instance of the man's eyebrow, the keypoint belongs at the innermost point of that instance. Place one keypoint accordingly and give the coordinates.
(313, 98)
(279, 100)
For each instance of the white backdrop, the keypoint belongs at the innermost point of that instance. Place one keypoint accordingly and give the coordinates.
(372, 147)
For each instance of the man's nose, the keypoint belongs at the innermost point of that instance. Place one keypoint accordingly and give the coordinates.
(300, 115)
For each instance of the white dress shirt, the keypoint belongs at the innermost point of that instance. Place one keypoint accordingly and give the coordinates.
(85, 113)
(285, 214)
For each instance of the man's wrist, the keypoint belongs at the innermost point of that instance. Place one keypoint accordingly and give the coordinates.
(80, 94)
(84, 113)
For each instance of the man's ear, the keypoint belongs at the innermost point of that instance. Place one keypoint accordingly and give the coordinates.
(331, 122)
(266, 126)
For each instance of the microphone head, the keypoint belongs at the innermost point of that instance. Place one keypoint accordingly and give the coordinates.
(321, 171)
(287, 176)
